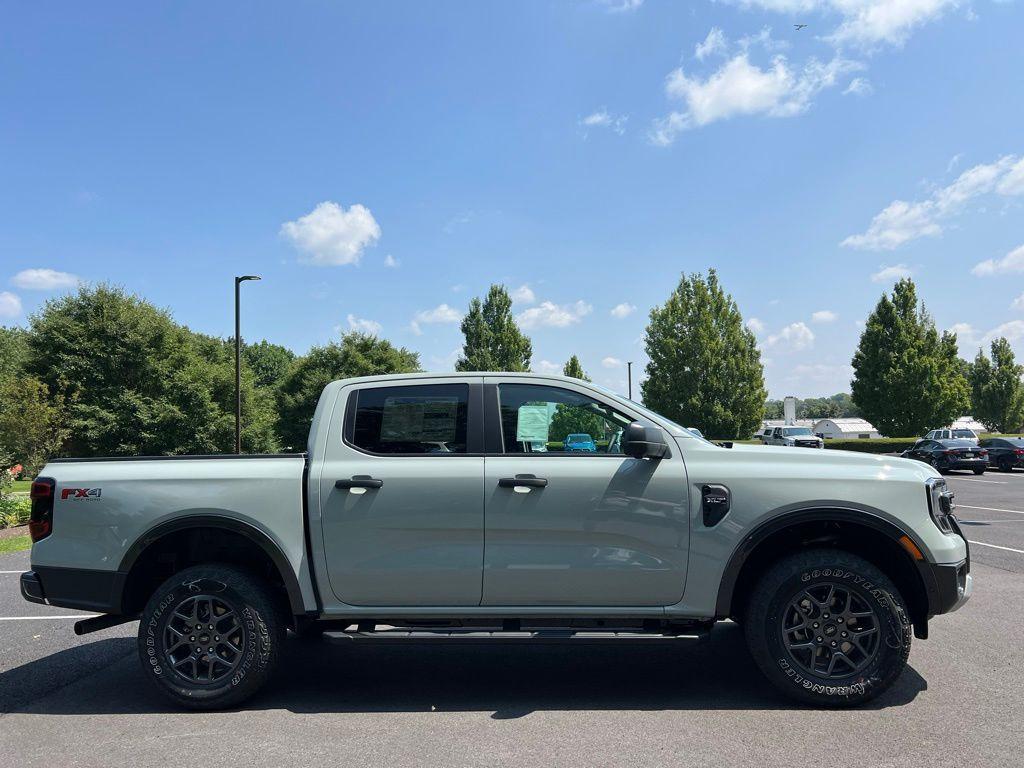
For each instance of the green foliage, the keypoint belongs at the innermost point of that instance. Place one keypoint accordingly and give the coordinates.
(574, 368)
(14, 510)
(136, 383)
(358, 354)
(493, 341)
(907, 378)
(997, 393)
(15, 544)
(33, 425)
(705, 369)
(13, 351)
(268, 362)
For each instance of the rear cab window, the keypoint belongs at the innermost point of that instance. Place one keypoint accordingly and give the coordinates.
(409, 420)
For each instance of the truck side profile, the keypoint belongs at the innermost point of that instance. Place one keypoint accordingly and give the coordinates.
(448, 504)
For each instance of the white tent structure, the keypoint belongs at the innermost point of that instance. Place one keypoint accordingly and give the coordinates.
(845, 429)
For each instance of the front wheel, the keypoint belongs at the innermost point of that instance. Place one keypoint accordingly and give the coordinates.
(828, 628)
(209, 636)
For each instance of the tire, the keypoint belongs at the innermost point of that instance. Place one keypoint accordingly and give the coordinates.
(872, 665)
(1005, 464)
(938, 465)
(245, 650)
(979, 471)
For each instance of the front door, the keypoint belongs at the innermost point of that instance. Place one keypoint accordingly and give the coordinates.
(402, 503)
(570, 520)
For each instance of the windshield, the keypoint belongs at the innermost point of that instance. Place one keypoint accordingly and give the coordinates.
(963, 433)
(797, 431)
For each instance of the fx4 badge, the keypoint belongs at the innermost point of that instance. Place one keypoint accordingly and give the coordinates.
(81, 493)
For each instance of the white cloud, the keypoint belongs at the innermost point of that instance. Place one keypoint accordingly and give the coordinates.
(714, 44)
(546, 366)
(625, 309)
(457, 221)
(10, 304)
(859, 86)
(794, 337)
(865, 24)
(330, 236)
(900, 221)
(1011, 262)
(523, 295)
(442, 313)
(612, 362)
(1018, 303)
(553, 315)
(363, 325)
(824, 316)
(969, 338)
(44, 279)
(620, 6)
(390, 261)
(604, 119)
(741, 88)
(886, 274)
(755, 325)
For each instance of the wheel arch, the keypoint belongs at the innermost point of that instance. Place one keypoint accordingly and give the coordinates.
(140, 558)
(860, 531)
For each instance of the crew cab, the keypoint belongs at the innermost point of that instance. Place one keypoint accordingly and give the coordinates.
(440, 505)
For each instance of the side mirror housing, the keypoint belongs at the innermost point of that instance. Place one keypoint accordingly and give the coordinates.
(643, 442)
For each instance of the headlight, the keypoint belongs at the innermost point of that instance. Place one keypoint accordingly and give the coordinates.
(940, 503)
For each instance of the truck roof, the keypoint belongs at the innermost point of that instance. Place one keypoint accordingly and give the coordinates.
(459, 375)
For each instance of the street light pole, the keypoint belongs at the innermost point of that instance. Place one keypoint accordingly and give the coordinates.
(629, 375)
(238, 360)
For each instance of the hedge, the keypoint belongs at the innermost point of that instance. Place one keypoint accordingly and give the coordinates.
(14, 510)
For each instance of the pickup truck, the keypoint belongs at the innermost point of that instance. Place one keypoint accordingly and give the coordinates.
(423, 508)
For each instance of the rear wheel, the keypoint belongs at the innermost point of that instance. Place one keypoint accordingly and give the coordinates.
(209, 636)
(1005, 464)
(828, 628)
(979, 471)
(939, 465)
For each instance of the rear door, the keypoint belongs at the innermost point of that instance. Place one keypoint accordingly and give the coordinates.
(402, 498)
(576, 528)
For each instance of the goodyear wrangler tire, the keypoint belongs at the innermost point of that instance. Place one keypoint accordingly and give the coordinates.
(209, 636)
(828, 628)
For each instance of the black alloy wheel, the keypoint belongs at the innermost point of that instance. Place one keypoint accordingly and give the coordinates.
(829, 631)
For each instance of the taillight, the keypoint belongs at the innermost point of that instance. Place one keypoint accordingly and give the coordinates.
(1019, 451)
(983, 453)
(40, 523)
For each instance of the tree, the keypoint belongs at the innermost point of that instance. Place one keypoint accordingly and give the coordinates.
(13, 351)
(136, 383)
(574, 368)
(33, 426)
(907, 378)
(997, 393)
(493, 341)
(705, 368)
(358, 354)
(268, 362)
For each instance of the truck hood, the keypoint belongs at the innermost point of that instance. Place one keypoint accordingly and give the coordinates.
(819, 463)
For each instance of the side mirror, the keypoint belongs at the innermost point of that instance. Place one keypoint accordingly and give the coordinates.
(643, 442)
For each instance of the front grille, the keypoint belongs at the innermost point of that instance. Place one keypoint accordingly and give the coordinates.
(807, 443)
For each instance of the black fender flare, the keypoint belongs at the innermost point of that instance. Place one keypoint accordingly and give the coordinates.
(829, 511)
(223, 522)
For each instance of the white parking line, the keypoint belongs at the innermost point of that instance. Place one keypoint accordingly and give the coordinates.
(996, 546)
(976, 480)
(7, 573)
(49, 618)
(990, 509)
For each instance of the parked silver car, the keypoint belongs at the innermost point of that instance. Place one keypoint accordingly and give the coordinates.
(800, 437)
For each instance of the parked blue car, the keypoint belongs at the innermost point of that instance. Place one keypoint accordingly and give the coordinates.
(580, 442)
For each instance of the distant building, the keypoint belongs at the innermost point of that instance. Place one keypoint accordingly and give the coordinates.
(844, 429)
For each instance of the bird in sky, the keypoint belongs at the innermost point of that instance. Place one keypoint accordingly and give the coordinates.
(799, 26)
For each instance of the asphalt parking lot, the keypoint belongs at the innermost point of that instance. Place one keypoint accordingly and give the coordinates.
(68, 700)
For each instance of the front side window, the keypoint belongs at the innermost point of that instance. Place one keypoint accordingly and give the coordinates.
(543, 419)
(418, 419)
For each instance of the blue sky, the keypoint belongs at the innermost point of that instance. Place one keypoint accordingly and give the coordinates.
(381, 163)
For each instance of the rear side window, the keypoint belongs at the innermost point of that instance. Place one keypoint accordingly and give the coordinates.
(418, 419)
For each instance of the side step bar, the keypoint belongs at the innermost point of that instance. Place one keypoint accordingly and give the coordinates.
(403, 635)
